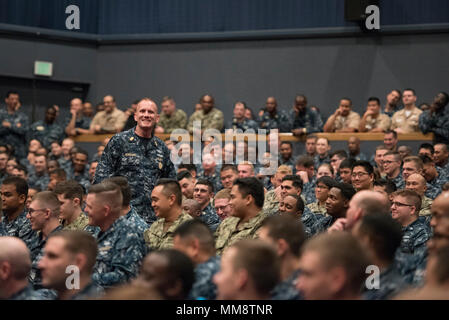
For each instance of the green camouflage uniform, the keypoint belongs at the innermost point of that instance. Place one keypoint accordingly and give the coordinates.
(213, 120)
(156, 238)
(228, 234)
(271, 203)
(316, 208)
(178, 120)
(425, 206)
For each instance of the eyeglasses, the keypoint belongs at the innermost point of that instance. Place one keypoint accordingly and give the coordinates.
(359, 174)
(31, 211)
(400, 204)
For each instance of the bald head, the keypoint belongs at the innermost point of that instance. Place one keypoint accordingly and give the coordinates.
(15, 253)
(417, 183)
(442, 201)
(367, 198)
(192, 207)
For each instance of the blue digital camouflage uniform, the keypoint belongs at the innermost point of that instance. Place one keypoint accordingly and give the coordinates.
(309, 221)
(412, 267)
(19, 228)
(309, 191)
(414, 237)
(391, 282)
(434, 187)
(399, 182)
(323, 223)
(308, 119)
(227, 233)
(16, 134)
(203, 288)
(135, 220)
(438, 123)
(279, 121)
(81, 123)
(210, 217)
(245, 125)
(38, 181)
(318, 161)
(360, 156)
(82, 178)
(391, 113)
(35, 277)
(215, 178)
(65, 164)
(142, 161)
(121, 250)
(286, 290)
(91, 291)
(28, 293)
(46, 133)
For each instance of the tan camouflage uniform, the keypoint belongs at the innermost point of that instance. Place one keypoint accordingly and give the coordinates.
(227, 233)
(156, 238)
(178, 120)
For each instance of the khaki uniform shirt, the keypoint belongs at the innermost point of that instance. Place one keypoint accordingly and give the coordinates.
(407, 123)
(382, 121)
(109, 122)
(352, 120)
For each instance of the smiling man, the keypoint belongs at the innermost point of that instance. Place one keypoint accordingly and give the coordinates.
(140, 157)
(166, 200)
(343, 119)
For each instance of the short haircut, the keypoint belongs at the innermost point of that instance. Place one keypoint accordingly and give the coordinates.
(299, 202)
(179, 268)
(325, 164)
(184, 175)
(223, 194)
(410, 89)
(312, 136)
(305, 161)
(327, 181)
(445, 147)
(253, 187)
(10, 92)
(384, 232)
(76, 242)
(394, 133)
(122, 182)
(206, 183)
(287, 142)
(341, 154)
(49, 200)
(346, 190)
(196, 228)
(395, 154)
(166, 98)
(340, 249)
(169, 187)
(411, 195)
(296, 181)
(416, 160)
(21, 185)
(347, 99)
(288, 228)
(347, 163)
(284, 169)
(260, 261)
(82, 151)
(229, 167)
(427, 146)
(187, 166)
(389, 185)
(365, 164)
(60, 173)
(381, 147)
(21, 167)
(109, 193)
(376, 99)
(70, 189)
(426, 160)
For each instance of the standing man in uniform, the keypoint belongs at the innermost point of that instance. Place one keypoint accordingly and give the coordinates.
(140, 157)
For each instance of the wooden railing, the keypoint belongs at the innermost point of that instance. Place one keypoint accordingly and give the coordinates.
(288, 137)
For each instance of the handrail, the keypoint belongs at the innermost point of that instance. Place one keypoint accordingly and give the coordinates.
(287, 137)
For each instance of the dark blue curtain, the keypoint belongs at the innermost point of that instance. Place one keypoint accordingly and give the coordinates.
(185, 16)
